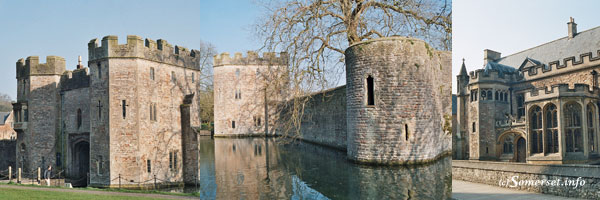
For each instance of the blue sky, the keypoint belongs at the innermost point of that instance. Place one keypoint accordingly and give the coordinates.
(63, 28)
(510, 26)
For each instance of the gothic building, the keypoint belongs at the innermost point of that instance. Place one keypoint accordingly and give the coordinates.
(539, 105)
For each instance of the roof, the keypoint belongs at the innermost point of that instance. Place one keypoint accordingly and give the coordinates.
(4, 117)
(584, 42)
(502, 69)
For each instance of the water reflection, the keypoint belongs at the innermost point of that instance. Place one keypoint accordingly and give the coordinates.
(259, 168)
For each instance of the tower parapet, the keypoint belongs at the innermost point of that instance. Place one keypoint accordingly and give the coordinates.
(54, 65)
(136, 47)
(560, 90)
(252, 58)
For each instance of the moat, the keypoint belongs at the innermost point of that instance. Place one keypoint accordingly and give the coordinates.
(259, 168)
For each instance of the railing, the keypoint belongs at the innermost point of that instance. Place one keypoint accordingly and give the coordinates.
(34, 176)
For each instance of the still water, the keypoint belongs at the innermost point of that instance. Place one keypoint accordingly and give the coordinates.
(259, 168)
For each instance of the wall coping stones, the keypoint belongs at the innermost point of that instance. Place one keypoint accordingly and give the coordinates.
(571, 170)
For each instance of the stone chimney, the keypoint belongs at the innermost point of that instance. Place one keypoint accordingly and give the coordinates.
(490, 55)
(79, 66)
(572, 28)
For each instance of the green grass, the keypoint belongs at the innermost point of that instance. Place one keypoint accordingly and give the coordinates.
(107, 190)
(10, 193)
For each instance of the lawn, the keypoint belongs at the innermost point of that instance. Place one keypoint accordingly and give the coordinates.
(10, 193)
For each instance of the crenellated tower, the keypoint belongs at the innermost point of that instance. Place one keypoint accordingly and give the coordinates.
(136, 90)
(244, 89)
(36, 111)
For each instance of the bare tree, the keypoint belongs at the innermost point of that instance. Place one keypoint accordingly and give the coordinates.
(205, 84)
(5, 103)
(316, 33)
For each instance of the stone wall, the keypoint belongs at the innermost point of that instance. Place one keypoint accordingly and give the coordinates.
(240, 85)
(7, 153)
(152, 80)
(492, 173)
(412, 94)
(324, 119)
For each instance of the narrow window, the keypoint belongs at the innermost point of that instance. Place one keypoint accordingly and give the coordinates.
(370, 95)
(171, 160)
(506, 97)
(497, 96)
(173, 76)
(151, 112)
(240, 94)
(405, 131)
(152, 73)
(149, 166)
(101, 167)
(99, 70)
(232, 124)
(520, 106)
(474, 127)
(124, 109)
(591, 133)
(193, 77)
(175, 160)
(155, 116)
(259, 121)
(99, 110)
(486, 150)
(26, 115)
(79, 118)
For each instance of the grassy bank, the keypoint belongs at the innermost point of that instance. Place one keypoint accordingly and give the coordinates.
(4, 193)
(11, 193)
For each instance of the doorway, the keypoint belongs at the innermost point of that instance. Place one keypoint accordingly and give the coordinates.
(81, 163)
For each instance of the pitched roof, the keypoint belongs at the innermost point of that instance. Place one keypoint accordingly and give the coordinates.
(583, 42)
(4, 117)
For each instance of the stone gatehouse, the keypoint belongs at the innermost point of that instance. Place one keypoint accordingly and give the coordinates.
(118, 118)
(539, 105)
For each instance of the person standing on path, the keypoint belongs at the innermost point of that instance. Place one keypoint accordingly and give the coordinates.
(48, 174)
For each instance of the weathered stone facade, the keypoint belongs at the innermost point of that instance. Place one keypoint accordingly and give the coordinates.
(411, 89)
(241, 92)
(120, 119)
(403, 122)
(539, 105)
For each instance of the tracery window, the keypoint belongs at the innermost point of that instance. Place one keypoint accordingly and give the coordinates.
(520, 106)
(508, 145)
(574, 138)
(590, 124)
(536, 130)
(551, 128)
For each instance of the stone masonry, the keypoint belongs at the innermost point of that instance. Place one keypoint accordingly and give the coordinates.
(119, 117)
(411, 89)
(241, 92)
(404, 121)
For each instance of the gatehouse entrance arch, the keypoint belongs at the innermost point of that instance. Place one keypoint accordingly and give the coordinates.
(80, 163)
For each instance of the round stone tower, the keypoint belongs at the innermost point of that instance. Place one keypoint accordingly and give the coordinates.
(398, 101)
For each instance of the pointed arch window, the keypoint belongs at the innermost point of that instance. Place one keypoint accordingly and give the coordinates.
(536, 130)
(551, 128)
(573, 135)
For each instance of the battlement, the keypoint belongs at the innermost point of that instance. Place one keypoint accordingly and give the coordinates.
(560, 90)
(75, 79)
(136, 47)
(534, 71)
(54, 65)
(481, 75)
(252, 58)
